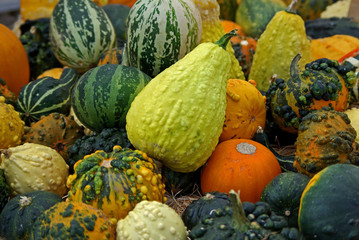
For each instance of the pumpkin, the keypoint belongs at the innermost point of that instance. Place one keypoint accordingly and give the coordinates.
(178, 117)
(53, 72)
(14, 63)
(325, 137)
(73, 220)
(323, 83)
(20, 213)
(151, 220)
(56, 131)
(11, 125)
(79, 32)
(245, 110)
(283, 38)
(115, 182)
(159, 33)
(10, 97)
(328, 207)
(30, 167)
(4, 190)
(46, 95)
(239, 164)
(212, 30)
(283, 195)
(102, 96)
(112, 56)
(333, 47)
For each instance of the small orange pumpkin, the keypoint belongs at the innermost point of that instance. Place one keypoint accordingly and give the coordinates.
(14, 64)
(239, 164)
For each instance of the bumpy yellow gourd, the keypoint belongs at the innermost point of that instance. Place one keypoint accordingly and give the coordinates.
(283, 38)
(212, 30)
(11, 125)
(178, 117)
(31, 167)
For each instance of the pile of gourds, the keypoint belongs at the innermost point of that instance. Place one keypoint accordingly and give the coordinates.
(109, 107)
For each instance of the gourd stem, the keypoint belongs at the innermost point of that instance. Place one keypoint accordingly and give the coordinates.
(239, 216)
(38, 36)
(292, 6)
(294, 68)
(223, 41)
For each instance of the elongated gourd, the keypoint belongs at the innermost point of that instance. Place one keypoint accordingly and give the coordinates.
(212, 30)
(280, 42)
(178, 117)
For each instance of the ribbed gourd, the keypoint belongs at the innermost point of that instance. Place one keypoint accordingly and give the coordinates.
(178, 117)
(11, 125)
(115, 182)
(283, 38)
(212, 30)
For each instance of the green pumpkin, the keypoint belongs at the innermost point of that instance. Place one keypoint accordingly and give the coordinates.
(20, 213)
(329, 204)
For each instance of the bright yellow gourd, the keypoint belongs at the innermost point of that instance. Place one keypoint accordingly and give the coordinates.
(178, 117)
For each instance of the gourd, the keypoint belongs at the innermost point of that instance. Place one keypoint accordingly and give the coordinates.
(129, 3)
(12, 57)
(115, 182)
(53, 72)
(112, 56)
(239, 164)
(228, 9)
(325, 137)
(159, 33)
(323, 83)
(46, 95)
(73, 220)
(30, 167)
(254, 16)
(56, 131)
(79, 32)
(245, 110)
(283, 195)
(333, 47)
(4, 190)
(117, 13)
(353, 114)
(328, 208)
(212, 30)
(10, 97)
(102, 96)
(11, 125)
(153, 220)
(20, 213)
(283, 38)
(178, 117)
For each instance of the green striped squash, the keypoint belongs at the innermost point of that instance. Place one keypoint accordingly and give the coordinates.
(102, 96)
(80, 31)
(46, 95)
(159, 33)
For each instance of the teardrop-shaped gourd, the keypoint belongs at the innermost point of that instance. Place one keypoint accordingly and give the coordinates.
(283, 38)
(177, 118)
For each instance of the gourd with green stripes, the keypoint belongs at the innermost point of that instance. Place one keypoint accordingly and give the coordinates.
(159, 33)
(46, 95)
(79, 32)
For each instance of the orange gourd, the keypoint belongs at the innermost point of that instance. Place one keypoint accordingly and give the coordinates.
(14, 64)
(124, 2)
(245, 110)
(53, 72)
(239, 164)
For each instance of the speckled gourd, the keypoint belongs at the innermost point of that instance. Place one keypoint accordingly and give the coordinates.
(178, 117)
(30, 166)
(325, 137)
(283, 38)
(153, 220)
(11, 125)
(212, 30)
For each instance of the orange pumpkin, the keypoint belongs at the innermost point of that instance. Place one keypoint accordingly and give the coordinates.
(14, 64)
(239, 164)
(229, 26)
(245, 110)
(124, 2)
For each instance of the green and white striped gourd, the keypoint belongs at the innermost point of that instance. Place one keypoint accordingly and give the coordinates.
(160, 33)
(46, 95)
(80, 32)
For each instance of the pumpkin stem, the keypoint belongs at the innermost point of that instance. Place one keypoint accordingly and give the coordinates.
(294, 67)
(223, 41)
(292, 8)
(239, 216)
(25, 201)
(246, 148)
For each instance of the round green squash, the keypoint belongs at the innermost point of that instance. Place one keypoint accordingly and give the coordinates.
(283, 195)
(103, 95)
(329, 204)
(20, 213)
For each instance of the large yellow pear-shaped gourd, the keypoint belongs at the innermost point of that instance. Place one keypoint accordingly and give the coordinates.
(178, 117)
(283, 38)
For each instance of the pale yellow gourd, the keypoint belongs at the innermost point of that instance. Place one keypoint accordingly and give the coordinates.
(178, 117)
(353, 114)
